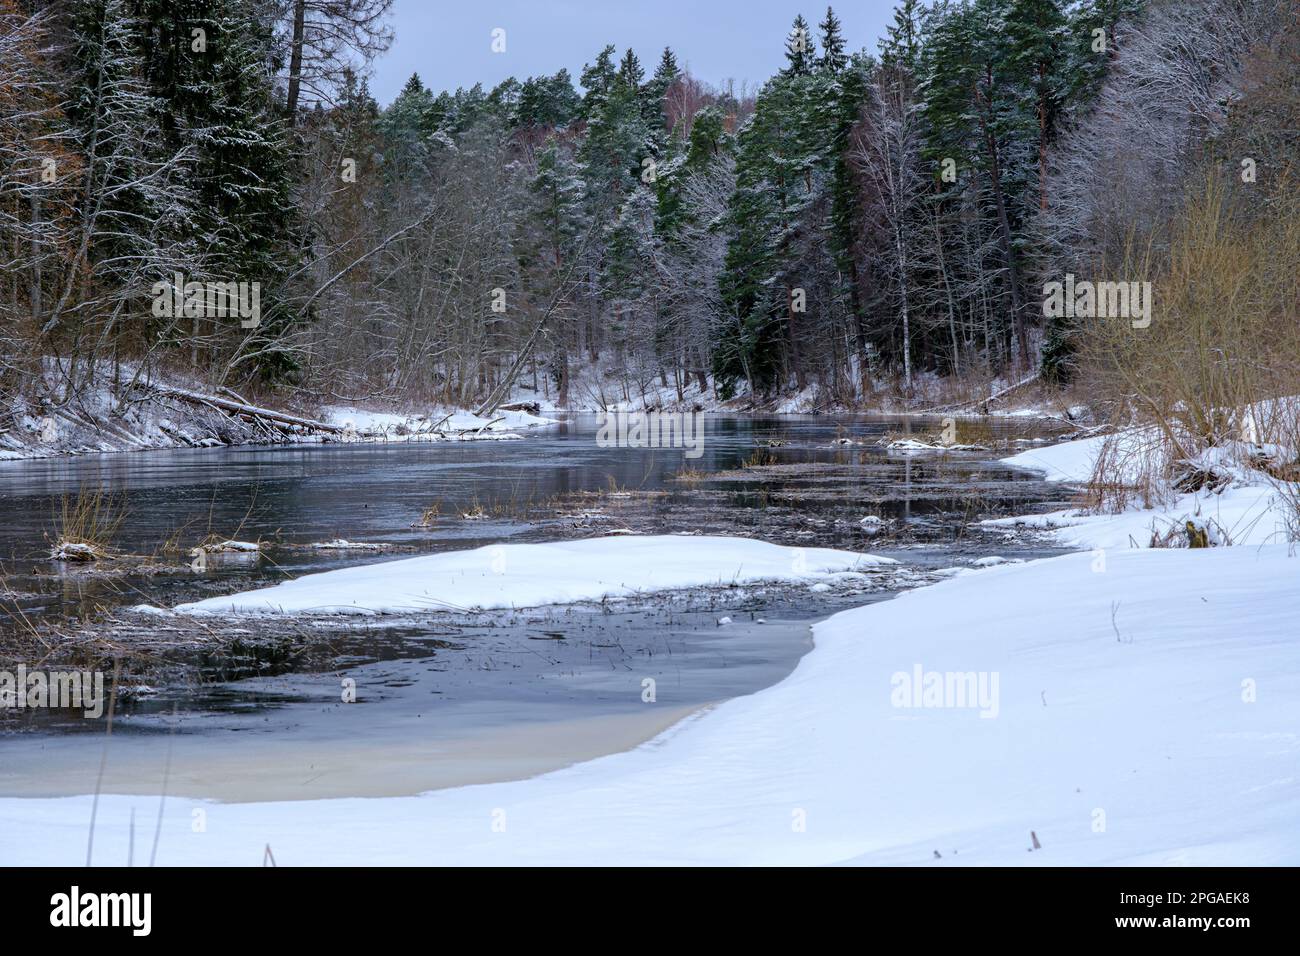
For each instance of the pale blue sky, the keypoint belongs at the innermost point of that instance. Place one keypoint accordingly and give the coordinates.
(449, 44)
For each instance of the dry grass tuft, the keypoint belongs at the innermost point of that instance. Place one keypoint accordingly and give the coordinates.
(86, 525)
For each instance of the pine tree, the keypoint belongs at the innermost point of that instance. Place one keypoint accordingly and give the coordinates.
(40, 181)
(1094, 32)
(557, 192)
(352, 132)
(503, 100)
(467, 108)
(598, 80)
(708, 136)
(1095, 36)
(547, 101)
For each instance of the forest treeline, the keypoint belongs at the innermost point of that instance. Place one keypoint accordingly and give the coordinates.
(864, 222)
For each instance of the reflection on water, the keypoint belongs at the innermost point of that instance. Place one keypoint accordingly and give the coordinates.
(793, 479)
(304, 494)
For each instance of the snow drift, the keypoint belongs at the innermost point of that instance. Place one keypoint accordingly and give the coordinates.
(1148, 712)
(528, 575)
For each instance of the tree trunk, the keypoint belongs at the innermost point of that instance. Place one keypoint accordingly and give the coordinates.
(796, 357)
(907, 319)
(1042, 135)
(295, 60)
(1008, 250)
(36, 261)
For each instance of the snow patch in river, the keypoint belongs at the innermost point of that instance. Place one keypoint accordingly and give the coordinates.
(530, 575)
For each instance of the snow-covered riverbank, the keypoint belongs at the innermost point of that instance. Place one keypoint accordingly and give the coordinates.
(1245, 510)
(1124, 706)
(145, 414)
(1146, 712)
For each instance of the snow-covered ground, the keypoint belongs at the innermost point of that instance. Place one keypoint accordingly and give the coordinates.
(1124, 706)
(1144, 713)
(1067, 461)
(98, 419)
(95, 422)
(608, 385)
(530, 575)
(1247, 511)
(436, 424)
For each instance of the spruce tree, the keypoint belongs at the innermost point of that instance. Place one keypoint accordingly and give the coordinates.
(136, 195)
(408, 126)
(833, 58)
(902, 41)
(630, 73)
(1037, 41)
(215, 97)
(655, 92)
(618, 143)
(979, 113)
(800, 51)
(667, 72)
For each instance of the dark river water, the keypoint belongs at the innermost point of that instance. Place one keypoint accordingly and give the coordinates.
(298, 495)
(804, 480)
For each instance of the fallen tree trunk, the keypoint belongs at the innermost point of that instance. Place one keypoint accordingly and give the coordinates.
(983, 401)
(268, 415)
(242, 408)
(532, 408)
